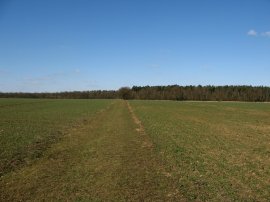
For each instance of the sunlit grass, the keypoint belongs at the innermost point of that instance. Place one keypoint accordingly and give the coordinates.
(217, 151)
(29, 126)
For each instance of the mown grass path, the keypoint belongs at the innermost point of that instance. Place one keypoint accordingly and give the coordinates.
(107, 158)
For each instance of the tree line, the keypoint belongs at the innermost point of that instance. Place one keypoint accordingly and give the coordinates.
(171, 92)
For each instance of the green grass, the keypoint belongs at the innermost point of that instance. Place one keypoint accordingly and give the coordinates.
(6, 102)
(104, 159)
(104, 150)
(29, 126)
(216, 150)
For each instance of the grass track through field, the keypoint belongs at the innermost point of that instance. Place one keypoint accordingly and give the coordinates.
(108, 158)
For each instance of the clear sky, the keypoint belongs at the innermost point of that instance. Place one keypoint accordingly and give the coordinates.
(58, 45)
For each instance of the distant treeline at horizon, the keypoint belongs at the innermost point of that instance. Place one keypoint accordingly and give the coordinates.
(170, 92)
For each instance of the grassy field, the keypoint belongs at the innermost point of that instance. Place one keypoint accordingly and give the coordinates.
(216, 151)
(29, 126)
(96, 150)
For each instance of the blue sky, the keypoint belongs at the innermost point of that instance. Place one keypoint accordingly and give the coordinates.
(63, 45)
